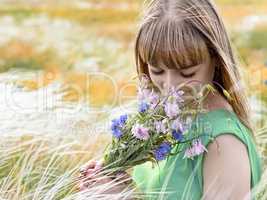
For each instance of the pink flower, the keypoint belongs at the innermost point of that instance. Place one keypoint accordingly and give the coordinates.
(148, 96)
(189, 153)
(153, 99)
(177, 125)
(140, 132)
(160, 126)
(177, 94)
(143, 94)
(171, 109)
(197, 149)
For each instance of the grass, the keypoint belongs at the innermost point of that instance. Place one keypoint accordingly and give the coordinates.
(34, 167)
(44, 166)
(258, 39)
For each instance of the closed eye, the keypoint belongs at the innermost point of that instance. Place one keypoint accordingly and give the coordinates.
(188, 75)
(157, 72)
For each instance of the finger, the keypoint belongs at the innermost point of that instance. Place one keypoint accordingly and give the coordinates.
(82, 187)
(89, 165)
(94, 172)
(99, 164)
(96, 182)
(94, 178)
(123, 175)
(124, 178)
(91, 172)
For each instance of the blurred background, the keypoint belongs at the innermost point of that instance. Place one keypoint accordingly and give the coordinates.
(67, 67)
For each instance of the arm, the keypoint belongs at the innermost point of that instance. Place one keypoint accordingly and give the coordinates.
(226, 170)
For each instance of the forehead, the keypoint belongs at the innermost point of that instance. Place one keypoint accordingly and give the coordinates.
(205, 63)
(172, 46)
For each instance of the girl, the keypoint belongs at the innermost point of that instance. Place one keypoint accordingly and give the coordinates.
(182, 40)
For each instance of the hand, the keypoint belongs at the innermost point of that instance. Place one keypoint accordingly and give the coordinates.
(89, 177)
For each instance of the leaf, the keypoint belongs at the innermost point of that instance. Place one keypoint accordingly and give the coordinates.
(228, 96)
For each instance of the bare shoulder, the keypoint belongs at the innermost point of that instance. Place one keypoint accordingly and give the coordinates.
(226, 168)
(227, 143)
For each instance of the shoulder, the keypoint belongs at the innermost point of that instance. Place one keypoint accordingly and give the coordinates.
(226, 167)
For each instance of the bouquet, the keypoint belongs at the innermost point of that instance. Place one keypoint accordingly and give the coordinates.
(159, 125)
(153, 132)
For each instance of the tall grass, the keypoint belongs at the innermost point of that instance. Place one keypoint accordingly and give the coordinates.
(76, 41)
(45, 166)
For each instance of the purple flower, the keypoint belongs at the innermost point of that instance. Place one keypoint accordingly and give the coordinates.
(153, 100)
(159, 156)
(177, 134)
(123, 119)
(189, 153)
(161, 152)
(143, 107)
(160, 126)
(116, 128)
(117, 125)
(196, 149)
(165, 147)
(117, 133)
(177, 94)
(140, 132)
(199, 147)
(171, 109)
(178, 129)
(176, 124)
(143, 94)
(149, 97)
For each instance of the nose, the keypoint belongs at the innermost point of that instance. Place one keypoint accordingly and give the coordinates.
(171, 80)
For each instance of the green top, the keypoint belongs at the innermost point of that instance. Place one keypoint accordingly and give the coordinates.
(181, 179)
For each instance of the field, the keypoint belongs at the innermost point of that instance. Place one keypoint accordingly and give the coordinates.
(67, 67)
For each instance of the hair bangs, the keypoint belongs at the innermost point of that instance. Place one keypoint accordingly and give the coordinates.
(171, 45)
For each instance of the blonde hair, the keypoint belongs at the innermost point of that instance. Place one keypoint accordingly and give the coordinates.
(177, 33)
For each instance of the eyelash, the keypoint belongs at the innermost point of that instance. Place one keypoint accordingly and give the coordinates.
(157, 73)
(188, 75)
(184, 75)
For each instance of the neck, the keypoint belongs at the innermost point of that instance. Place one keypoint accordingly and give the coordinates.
(216, 100)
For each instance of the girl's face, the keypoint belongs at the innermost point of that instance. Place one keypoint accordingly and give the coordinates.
(164, 78)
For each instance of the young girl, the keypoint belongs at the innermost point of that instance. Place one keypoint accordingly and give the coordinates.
(182, 40)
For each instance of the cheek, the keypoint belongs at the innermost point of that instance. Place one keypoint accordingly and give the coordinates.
(157, 80)
(205, 75)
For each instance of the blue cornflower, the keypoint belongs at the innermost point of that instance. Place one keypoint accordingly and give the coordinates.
(117, 125)
(265, 82)
(177, 135)
(165, 147)
(162, 151)
(159, 155)
(143, 107)
(117, 133)
(123, 119)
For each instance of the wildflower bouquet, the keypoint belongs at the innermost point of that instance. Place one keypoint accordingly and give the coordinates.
(157, 129)
(153, 132)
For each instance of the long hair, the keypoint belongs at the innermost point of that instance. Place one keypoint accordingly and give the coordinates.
(177, 33)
